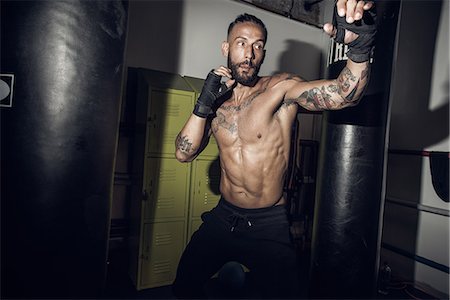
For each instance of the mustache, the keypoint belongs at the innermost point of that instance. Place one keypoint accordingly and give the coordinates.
(247, 62)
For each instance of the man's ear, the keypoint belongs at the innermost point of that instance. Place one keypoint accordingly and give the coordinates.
(225, 48)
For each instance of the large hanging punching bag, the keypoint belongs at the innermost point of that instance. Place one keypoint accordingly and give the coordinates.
(62, 61)
(346, 230)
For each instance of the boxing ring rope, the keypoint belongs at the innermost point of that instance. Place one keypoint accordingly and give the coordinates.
(439, 169)
(423, 153)
(418, 207)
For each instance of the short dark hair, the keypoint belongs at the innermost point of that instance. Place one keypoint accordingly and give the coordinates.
(248, 18)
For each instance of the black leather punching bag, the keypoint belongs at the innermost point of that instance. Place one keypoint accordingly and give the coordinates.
(350, 191)
(58, 139)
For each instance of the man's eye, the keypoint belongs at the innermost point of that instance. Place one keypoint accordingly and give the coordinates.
(258, 47)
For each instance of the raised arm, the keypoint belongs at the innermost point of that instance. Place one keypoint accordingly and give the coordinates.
(354, 26)
(334, 94)
(194, 136)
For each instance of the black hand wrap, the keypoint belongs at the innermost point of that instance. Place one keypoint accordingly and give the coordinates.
(360, 49)
(212, 91)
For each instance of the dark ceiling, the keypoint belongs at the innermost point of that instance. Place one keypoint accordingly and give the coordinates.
(305, 11)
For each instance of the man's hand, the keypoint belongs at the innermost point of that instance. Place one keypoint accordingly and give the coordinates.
(212, 91)
(352, 10)
(354, 25)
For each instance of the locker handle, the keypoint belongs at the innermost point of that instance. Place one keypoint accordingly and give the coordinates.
(145, 195)
(154, 121)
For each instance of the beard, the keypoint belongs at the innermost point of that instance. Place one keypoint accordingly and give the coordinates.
(244, 78)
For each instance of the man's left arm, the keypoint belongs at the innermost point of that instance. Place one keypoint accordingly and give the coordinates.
(355, 26)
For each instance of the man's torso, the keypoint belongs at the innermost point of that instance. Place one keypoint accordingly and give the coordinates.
(253, 135)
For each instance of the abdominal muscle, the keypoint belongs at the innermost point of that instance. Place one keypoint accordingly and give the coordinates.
(252, 175)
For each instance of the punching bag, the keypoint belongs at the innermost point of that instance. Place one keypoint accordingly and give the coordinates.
(350, 187)
(63, 62)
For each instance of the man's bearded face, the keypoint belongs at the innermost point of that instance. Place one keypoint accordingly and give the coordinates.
(244, 72)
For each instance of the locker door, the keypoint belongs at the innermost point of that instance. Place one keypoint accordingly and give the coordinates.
(205, 186)
(167, 186)
(168, 111)
(162, 247)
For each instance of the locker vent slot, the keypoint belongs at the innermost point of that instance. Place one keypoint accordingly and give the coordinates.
(162, 266)
(166, 203)
(162, 239)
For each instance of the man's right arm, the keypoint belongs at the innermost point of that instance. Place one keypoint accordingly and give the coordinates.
(192, 139)
(195, 134)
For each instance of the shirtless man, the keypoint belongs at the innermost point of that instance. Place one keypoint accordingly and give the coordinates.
(251, 119)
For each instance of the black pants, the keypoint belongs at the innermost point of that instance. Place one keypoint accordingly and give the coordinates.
(257, 238)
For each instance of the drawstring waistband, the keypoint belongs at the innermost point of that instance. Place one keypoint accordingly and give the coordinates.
(249, 217)
(235, 218)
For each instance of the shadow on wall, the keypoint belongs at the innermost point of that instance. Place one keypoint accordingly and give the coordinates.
(415, 126)
(411, 105)
(147, 31)
(153, 42)
(301, 58)
(154, 35)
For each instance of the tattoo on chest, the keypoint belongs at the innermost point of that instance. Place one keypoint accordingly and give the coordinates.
(244, 104)
(221, 122)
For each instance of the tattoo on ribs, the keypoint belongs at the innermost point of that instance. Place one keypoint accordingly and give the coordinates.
(183, 144)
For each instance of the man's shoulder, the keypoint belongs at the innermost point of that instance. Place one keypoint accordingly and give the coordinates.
(281, 78)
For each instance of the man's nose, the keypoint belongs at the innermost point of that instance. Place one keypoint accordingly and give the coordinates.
(249, 53)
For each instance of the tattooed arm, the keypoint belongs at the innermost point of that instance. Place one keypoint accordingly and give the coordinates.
(335, 94)
(192, 139)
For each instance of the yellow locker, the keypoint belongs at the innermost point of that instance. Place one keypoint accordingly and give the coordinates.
(204, 186)
(162, 246)
(168, 110)
(167, 188)
(161, 184)
(170, 196)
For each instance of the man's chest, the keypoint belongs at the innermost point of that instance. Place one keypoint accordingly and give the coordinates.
(251, 120)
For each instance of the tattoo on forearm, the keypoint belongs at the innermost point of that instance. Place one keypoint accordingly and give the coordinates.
(333, 88)
(351, 95)
(356, 92)
(184, 144)
(322, 98)
(365, 73)
(317, 98)
(344, 79)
